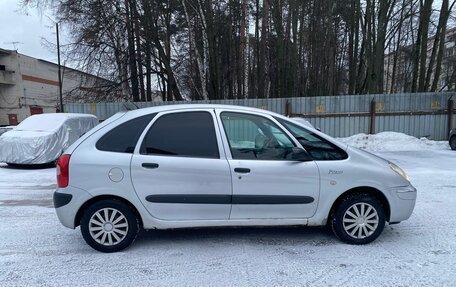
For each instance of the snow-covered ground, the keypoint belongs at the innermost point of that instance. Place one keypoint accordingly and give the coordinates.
(36, 250)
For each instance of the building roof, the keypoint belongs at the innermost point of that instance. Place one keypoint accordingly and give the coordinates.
(75, 70)
(7, 52)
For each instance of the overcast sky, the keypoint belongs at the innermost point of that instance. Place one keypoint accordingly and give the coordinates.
(27, 27)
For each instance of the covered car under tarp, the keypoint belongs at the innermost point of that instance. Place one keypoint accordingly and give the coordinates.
(41, 139)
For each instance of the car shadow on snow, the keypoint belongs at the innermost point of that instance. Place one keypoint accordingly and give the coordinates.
(260, 236)
(313, 236)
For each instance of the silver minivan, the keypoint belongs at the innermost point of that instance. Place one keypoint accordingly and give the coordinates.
(183, 166)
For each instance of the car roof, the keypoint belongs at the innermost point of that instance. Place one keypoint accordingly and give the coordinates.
(183, 107)
(63, 115)
(164, 108)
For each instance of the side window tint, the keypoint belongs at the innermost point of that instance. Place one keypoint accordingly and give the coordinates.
(317, 147)
(255, 137)
(190, 134)
(124, 137)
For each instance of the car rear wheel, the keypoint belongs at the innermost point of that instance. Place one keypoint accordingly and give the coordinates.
(358, 219)
(453, 142)
(109, 226)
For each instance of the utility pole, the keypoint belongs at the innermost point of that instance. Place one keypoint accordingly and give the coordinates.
(60, 74)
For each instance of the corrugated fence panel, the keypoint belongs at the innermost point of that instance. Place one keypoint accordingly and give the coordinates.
(334, 115)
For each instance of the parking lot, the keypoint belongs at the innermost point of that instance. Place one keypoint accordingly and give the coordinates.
(35, 249)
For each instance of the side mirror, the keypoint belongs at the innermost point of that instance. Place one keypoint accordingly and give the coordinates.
(299, 154)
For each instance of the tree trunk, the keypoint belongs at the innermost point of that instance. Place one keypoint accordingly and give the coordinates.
(132, 53)
(446, 11)
(264, 53)
(138, 54)
(196, 53)
(244, 49)
(419, 66)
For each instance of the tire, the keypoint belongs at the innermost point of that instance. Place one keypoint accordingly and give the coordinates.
(352, 228)
(117, 232)
(453, 142)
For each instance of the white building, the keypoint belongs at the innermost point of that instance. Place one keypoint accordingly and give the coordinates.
(30, 86)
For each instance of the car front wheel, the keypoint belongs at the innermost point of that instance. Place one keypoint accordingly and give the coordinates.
(358, 219)
(109, 226)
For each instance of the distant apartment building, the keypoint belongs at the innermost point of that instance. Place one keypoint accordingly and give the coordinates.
(30, 86)
(399, 67)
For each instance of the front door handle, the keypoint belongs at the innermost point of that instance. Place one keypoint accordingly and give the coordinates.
(150, 165)
(242, 170)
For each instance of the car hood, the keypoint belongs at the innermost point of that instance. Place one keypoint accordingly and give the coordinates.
(369, 155)
(366, 157)
(377, 165)
(31, 147)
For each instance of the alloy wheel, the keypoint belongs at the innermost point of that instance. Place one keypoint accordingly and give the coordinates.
(108, 226)
(360, 220)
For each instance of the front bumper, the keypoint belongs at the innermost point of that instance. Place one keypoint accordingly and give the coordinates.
(67, 202)
(404, 202)
(406, 192)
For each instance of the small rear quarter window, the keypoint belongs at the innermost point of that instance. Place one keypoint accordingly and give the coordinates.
(124, 137)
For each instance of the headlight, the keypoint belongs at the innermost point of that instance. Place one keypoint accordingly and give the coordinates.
(399, 171)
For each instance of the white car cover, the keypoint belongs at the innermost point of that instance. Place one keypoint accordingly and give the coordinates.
(42, 138)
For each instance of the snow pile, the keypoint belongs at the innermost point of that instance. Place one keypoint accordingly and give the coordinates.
(393, 141)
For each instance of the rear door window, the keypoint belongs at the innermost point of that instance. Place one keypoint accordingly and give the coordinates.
(187, 134)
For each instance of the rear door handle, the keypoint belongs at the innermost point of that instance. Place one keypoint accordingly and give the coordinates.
(242, 170)
(150, 165)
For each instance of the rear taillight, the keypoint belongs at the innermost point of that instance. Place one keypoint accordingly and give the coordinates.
(63, 174)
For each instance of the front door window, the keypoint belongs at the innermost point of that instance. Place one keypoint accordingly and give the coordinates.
(255, 137)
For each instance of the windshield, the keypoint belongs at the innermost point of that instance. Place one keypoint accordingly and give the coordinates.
(45, 122)
(317, 147)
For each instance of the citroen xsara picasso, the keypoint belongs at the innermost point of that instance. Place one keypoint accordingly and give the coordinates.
(206, 165)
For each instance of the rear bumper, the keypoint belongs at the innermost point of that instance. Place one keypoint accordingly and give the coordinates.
(61, 199)
(67, 202)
